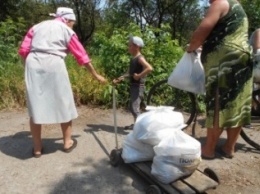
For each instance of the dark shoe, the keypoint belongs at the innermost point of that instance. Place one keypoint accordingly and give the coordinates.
(37, 155)
(129, 127)
(207, 158)
(74, 145)
(224, 154)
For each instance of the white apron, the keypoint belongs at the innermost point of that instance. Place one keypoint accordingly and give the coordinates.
(49, 94)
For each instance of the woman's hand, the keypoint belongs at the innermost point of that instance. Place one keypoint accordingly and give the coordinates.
(101, 79)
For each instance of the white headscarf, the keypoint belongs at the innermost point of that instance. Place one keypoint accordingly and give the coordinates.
(65, 12)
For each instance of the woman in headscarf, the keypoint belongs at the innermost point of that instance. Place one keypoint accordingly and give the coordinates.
(49, 94)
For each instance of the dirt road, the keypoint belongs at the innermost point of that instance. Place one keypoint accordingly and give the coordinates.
(87, 168)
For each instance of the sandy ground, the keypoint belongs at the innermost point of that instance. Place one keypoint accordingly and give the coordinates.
(87, 168)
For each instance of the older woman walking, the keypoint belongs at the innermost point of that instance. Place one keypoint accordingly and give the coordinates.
(49, 94)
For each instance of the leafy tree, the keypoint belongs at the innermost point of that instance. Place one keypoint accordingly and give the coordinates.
(11, 33)
(87, 13)
(7, 9)
(252, 8)
(35, 11)
(183, 15)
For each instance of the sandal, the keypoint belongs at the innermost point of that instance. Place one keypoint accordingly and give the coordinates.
(207, 157)
(74, 145)
(37, 155)
(220, 151)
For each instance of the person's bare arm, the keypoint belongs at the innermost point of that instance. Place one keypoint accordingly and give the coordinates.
(256, 45)
(121, 78)
(256, 41)
(93, 72)
(217, 10)
(126, 74)
(147, 69)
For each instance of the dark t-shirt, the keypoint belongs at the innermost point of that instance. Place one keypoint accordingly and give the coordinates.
(136, 67)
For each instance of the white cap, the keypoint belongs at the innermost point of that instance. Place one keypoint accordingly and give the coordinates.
(66, 13)
(137, 41)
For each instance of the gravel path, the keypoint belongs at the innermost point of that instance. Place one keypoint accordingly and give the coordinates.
(87, 170)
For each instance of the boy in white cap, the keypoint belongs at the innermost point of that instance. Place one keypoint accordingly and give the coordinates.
(49, 94)
(138, 70)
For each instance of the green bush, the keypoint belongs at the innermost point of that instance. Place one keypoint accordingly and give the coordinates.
(160, 51)
(85, 88)
(109, 56)
(10, 34)
(12, 87)
(11, 68)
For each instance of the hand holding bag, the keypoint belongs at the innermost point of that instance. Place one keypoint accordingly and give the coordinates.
(189, 74)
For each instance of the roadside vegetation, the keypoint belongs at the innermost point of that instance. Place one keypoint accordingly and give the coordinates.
(103, 27)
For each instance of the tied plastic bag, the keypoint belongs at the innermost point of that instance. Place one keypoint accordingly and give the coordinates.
(176, 156)
(189, 74)
(136, 151)
(152, 126)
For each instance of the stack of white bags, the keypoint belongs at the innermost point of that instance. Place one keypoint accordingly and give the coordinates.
(158, 137)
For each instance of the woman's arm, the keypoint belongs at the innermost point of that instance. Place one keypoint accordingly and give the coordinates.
(82, 57)
(78, 51)
(25, 47)
(256, 40)
(217, 10)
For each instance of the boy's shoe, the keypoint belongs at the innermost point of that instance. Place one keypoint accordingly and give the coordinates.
(129, 127)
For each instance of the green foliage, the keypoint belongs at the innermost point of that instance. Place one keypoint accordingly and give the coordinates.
(11, 69)
(85, 88)
(12, 87)
(109, 56)
(160, 51)
(251, 8)
(10, 34)
(201, 104)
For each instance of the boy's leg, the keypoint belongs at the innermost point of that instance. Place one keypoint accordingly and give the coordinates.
(136, 95)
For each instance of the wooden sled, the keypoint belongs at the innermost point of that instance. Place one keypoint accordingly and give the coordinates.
(197, 182)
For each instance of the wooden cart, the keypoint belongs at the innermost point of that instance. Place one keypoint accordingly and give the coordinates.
(197, 182)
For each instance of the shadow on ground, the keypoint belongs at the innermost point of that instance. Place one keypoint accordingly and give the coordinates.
(107, 128)
(95, 179)
(20, 145)
(93, 176)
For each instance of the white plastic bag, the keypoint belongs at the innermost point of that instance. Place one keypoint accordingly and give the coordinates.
(152, 126)
(136, 151)
(189, 74)
(176, 156)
